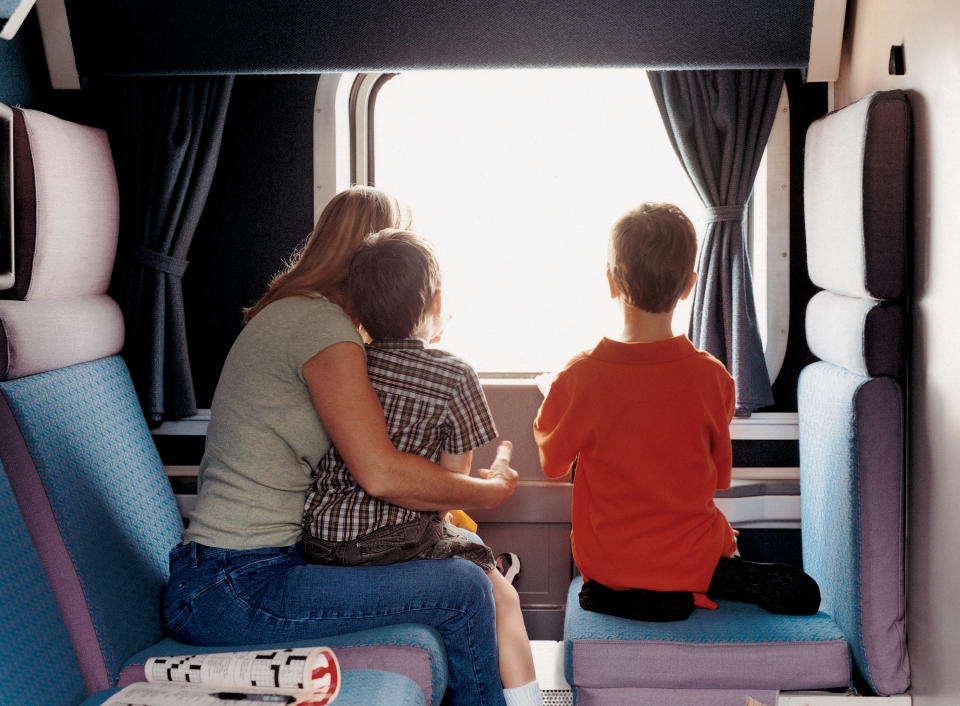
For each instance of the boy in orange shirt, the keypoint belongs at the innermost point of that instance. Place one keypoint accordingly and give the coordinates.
(646, 420)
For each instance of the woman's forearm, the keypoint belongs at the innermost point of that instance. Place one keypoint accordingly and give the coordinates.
(352, 415)
(422, 485)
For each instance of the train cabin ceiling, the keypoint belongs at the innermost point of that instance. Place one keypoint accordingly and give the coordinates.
(120, 37)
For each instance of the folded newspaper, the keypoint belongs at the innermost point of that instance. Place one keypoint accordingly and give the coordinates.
(299, 676)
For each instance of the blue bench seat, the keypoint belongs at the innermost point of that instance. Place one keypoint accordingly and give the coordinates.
(738, 648)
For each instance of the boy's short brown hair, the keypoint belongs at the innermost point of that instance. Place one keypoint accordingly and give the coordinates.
(393, 277)
(651, 256)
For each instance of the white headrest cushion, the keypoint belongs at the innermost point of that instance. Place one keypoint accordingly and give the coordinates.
(856, 191)
(37, 336)
(77, 208)
(862, 335)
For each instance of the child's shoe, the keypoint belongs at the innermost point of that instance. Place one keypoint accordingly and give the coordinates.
(778, 588)
(509, 565)
(637, 603)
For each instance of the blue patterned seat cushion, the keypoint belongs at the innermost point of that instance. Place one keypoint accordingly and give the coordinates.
(37, 662)
(414, 651)
(360, 687)
(367, 687)
(110, 498)
(99, 697)
(736, 646)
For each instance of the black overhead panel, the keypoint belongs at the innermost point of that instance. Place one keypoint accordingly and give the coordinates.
(120, 37)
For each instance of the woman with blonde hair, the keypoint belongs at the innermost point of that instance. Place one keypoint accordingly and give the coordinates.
(320, 265)
(293, 383)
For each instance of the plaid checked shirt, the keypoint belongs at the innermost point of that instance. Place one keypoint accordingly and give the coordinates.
(433, 402)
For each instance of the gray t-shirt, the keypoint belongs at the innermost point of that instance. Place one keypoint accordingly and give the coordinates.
(265, 438)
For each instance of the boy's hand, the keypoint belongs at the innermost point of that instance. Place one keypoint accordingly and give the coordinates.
(502, 478)
(501, 463)
(544, 381)
(441, 326)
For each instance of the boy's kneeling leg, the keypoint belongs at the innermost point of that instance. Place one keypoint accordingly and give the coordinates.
(636, 603)
(778, 588)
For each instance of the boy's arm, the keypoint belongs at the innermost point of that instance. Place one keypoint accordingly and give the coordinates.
(721, 447)
(554, 431)
(458, 463)
(470, 424)
(468, 421)
(722, 459)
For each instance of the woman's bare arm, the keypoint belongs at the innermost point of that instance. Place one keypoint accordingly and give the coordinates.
(351, 413)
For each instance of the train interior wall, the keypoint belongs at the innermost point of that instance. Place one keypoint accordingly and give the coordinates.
(928, 31)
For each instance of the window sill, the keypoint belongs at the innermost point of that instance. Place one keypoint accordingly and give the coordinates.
(761, 426)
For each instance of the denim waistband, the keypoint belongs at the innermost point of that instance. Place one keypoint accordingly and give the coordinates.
(196, 551)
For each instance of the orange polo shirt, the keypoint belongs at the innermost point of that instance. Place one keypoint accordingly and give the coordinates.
(648, 424)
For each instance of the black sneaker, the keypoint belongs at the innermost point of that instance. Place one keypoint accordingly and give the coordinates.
(778, 588)
(509, 565)
(637, 603)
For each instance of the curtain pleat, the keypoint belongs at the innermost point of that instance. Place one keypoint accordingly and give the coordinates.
(166, 141)
(719, 123)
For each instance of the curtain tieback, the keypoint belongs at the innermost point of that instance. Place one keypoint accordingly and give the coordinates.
(156, 261)
(733, 212)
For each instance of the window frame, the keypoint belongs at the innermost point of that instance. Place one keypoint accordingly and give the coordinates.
(773, 252)
(347, 102)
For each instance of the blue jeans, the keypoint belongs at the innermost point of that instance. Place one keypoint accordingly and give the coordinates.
(229, 596)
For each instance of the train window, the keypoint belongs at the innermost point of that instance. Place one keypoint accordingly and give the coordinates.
(516, 176)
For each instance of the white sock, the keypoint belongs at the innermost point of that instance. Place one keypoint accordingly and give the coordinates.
(526, 695)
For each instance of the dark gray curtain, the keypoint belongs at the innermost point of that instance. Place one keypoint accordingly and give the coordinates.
(165, 136)
(719, 122)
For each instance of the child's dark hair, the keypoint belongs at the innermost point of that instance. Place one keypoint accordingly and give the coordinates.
(651, 255)
(393, 277)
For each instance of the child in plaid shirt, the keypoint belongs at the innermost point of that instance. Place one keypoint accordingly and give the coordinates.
(434, 407)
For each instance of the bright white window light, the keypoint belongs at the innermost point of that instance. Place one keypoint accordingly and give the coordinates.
(517, 177)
